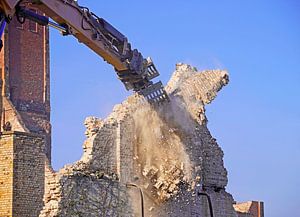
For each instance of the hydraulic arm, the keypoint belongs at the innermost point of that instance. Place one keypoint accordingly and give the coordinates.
(70, 18)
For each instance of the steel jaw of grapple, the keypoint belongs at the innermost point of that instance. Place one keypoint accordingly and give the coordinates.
(155, 93)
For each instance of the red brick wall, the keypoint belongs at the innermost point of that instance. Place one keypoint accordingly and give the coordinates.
(25, 75)
(27, 64)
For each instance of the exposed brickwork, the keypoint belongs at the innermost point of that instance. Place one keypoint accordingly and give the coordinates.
(73, 192)
(6, 175)
(115, 153)
(25, 77)
(190, 204)
(29, 174)
(23, 167)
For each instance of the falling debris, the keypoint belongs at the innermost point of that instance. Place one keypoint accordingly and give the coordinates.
(164, 163)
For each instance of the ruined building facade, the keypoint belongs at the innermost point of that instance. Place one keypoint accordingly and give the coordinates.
(166, 153)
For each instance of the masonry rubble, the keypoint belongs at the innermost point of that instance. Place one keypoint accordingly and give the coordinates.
(167, 151)
(249, 209)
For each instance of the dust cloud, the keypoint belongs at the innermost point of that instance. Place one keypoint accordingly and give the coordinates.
(160, 154)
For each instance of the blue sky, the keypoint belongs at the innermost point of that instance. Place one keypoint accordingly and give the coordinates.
(256, 118)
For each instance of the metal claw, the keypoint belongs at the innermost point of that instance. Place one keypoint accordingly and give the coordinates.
(155, 93)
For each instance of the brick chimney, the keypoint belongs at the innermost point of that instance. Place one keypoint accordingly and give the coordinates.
(24, 63)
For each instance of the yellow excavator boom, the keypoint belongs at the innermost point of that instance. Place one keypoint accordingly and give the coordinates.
(70, 18)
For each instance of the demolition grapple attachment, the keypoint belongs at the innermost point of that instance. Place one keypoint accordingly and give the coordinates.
(141, 82)
(155, 93)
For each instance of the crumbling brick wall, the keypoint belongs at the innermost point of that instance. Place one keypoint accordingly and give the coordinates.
(75, 191)
(180, 160)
